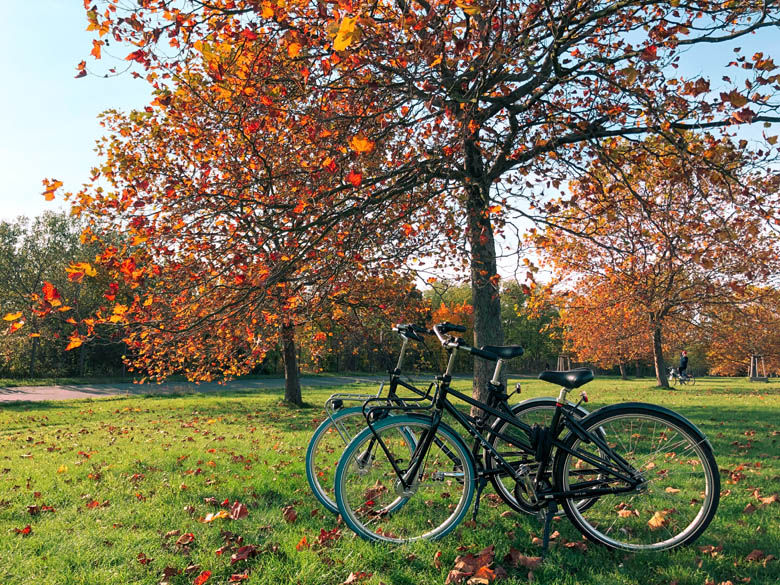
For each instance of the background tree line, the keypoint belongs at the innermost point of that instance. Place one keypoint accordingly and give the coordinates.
(596, 325)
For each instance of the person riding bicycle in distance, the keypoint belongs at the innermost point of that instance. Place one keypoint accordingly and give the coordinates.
(683, 363)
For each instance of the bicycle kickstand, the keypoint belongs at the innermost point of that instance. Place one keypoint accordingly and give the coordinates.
(552, 508)
(481, 483)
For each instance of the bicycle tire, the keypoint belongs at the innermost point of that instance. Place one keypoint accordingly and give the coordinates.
(322, 457)
(675, 459)
(369, 497)
(534, 410)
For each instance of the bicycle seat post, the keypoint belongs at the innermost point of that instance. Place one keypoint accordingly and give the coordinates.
(496, 381)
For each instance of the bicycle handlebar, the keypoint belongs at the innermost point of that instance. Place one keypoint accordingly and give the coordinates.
(411, 331)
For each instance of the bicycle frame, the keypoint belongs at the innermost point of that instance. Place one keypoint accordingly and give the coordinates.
(614, 465)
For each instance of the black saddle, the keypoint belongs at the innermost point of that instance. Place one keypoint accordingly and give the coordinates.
(568, 379)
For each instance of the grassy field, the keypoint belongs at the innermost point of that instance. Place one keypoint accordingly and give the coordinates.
(118, 490)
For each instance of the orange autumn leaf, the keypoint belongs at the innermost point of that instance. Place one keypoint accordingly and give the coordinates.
(202, 578)
(51, 187)
(15, 326)
(293, 49)
(361, 145)
(74, 343)
(95, 52)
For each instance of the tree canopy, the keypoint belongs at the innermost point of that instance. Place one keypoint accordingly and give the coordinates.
(352, 110)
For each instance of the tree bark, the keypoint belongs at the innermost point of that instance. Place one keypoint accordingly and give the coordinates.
(485, 294)
(623, 374)
(33, 356)
(658, 358)
(82, 360)
(292, 382)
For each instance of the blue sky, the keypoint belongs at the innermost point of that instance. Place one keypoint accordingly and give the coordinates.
(48, 119)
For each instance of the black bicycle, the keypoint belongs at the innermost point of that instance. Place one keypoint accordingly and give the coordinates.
(345, 421)
(629, 476)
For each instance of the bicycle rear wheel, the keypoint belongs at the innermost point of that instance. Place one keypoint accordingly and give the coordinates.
(534, 411)
(371, 498)
(678, 498)
(325, 448)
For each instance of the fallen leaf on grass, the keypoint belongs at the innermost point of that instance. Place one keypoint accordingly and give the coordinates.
(215, 516)
(355, 577)
(185, 539)
(168, 574)
(238, 511)
(243, 553)
(755, 556)
(24, 531)
(202, 578)
(238, 577)
(517, 559)
(289, 513)
(143, 559)
(302, 544)
(659, 520)
(749, 509)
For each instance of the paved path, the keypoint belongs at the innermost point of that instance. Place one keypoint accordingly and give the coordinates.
(36, 393)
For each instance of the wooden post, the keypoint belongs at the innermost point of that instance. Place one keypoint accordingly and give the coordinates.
(754, 377)
(564, 362)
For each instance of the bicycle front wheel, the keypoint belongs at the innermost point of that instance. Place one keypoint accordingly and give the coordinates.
(372, 498)
(678, 497)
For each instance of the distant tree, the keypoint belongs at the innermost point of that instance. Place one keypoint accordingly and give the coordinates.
(39, 257)
(739, 331)
(667, 237)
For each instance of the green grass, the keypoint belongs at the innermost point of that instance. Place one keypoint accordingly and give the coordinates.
(151, 462)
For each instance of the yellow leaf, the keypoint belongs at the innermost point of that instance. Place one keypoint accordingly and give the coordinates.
(468, 8)
(62, 469)
(658, 520)
(268, 10)
(15, 326)
(12, 316)
(347, 34)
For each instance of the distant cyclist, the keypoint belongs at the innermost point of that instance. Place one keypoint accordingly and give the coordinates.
(683, 364)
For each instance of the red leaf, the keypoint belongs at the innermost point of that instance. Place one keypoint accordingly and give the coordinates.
(354, 178)
(23, 531)
(202, 578)
(243, 553)
(649, 53)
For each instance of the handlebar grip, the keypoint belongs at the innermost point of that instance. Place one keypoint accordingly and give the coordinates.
(450, 327)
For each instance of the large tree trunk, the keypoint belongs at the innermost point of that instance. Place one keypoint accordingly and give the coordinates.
(658, 357)
(292, 383)
(623, 374)
(485, 296)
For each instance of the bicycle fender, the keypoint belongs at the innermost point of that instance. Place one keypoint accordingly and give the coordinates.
(651, 408)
